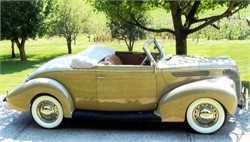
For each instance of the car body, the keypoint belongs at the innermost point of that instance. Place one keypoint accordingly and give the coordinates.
(150, 86)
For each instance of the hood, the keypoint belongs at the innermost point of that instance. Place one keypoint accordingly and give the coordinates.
(195, 61)
(59, 63)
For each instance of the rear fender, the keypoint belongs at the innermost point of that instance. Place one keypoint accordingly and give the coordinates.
(22, 96)
(173, 105)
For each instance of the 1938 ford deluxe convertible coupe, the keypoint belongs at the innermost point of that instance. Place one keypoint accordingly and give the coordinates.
(150, 86)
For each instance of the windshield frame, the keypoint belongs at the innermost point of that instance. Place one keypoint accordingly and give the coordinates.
(157, 46)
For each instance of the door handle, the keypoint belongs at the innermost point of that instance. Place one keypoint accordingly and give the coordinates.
(100, 77)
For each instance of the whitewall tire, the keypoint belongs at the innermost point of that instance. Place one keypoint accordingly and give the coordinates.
(47, 111)
(205, 115)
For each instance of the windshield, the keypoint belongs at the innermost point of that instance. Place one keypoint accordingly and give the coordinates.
(153, 50)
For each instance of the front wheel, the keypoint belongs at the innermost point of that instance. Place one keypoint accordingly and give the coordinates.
(47, 111)
(205, 115)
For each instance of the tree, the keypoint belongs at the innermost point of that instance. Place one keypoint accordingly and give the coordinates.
(125, 31)
(69, 19)
(21, 20)
(96, 26)
(13, 55)
(186, 17)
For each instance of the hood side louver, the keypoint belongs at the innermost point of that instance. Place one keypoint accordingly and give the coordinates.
(190, 74)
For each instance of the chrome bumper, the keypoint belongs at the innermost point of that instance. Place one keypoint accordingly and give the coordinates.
(244, 100)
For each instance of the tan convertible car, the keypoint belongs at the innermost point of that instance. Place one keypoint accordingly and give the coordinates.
(150, 86)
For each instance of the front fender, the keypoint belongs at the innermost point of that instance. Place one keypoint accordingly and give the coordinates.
(21, 97)
(173, 105)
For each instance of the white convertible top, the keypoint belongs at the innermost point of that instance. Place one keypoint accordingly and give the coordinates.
(90, 57)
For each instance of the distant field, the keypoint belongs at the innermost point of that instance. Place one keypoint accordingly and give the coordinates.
(13, 71)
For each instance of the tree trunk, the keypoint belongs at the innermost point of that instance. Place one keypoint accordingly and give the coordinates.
(75, 41)
(181, 44)
(131, 44)
(21, 48)
(13, 55)
(68, 39)
(180, 31)
(128, 43)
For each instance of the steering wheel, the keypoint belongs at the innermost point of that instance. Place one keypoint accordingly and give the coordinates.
(144, 60)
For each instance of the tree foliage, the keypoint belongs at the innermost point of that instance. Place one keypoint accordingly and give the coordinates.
(127, 32)
(96, 27)
(21, 20)
(186, 15)
(70, 18)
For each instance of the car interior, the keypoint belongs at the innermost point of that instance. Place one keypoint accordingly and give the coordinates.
(125, 58)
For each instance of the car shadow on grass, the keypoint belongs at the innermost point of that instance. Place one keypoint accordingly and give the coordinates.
(9, 66)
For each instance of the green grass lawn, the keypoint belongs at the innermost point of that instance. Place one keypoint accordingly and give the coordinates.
(13, 71)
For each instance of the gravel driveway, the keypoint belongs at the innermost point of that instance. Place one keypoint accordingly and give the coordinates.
(19, 126)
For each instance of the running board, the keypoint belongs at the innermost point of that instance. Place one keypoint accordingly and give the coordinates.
(117, 116)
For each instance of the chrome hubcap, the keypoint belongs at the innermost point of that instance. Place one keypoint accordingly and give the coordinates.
(205, 115)
(47, 111)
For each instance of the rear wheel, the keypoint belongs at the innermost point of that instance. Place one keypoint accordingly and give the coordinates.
(47, 111)
(205, 115)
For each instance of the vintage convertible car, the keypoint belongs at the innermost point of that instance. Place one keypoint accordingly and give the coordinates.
(151, 86)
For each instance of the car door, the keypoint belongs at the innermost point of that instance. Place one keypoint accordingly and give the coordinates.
(126, 88)
(81, 84)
